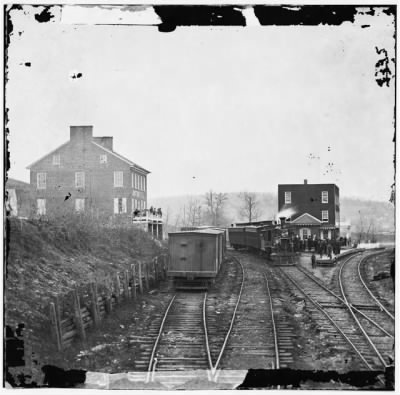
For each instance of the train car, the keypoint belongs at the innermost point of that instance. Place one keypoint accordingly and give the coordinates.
(195, 257)
(254, 238)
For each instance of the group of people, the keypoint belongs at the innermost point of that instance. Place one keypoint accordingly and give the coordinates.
(153, 211)
(319, 246)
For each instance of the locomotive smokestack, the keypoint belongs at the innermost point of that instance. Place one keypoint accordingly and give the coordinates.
(305, 182)
(283, 221)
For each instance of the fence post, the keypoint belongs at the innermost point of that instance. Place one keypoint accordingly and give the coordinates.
(58, 314)
(117, 287)
(156, 270)
(126, 285)
(108, 296)
(55, 326)
(140, 277)
(78, 315)
(165, 266)
(94, 304)
(133, 281)
(146, 275)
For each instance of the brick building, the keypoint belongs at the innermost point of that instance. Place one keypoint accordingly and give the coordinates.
(86, 175)
(310, 210)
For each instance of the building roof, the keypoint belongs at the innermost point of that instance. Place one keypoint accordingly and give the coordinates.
(121, 158)
(130, 163)
(306, 219)
(45, 156)
(305, 185)
(12, 183)
(197, 231)
(256, 223)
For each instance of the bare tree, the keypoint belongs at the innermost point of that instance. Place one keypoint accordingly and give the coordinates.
(215, 204)
(250, 206)
(194, 212)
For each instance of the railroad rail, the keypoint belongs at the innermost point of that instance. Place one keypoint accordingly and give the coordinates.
(184, 338)
(361, 274)
(271, 342)
(335, 316)
(355, 292)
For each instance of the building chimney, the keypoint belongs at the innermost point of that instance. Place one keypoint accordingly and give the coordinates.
(106, 142)
(81, 133)
(305, 182)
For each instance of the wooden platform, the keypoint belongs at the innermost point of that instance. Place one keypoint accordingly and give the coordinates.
(326, 262)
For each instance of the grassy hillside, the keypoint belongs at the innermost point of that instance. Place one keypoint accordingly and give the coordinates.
(47, 259)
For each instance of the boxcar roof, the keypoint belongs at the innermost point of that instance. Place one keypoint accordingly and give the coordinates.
(198, 231)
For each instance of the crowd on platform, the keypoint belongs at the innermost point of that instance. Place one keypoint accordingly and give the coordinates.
(322, 247)
(152, 211)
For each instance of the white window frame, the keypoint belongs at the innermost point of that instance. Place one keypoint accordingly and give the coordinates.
(79, 179)
(324, 196)
(288, 197)
(41, 206)
(103, 158)
(325, 216)
(79, 205)
(56, 160)
(118, 179)
(41, 180)
(117, 206)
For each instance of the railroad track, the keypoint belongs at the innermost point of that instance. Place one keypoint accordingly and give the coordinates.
(335, 317)
(370, 285)
(373, 319)
(259, 339)
(186, 332)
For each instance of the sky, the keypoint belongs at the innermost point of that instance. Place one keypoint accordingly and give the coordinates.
(224, 108)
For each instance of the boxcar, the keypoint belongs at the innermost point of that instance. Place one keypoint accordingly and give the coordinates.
(254, 238)
(195, 255)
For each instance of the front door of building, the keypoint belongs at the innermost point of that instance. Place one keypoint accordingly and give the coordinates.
(304, 233)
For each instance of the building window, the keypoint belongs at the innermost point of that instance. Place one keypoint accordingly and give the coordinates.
(288, 197)
(79, 205)
(119, 205)
(325, 216)
(41, 206)
(138, 182)
(41, 180)
(103, 158)
(56, 160)
(118, 179)
(324, 197)
(79, 179)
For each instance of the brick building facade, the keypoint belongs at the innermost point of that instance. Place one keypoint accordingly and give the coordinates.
(310, 210)
(86, 175)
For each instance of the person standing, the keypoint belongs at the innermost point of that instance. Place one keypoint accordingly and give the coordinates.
(313, 261)
(329, 250)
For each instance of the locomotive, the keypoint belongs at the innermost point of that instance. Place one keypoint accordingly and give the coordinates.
(265, 237)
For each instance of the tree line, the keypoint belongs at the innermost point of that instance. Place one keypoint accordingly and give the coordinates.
(209, 210)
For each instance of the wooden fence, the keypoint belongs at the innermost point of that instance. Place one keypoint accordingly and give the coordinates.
(84, 308)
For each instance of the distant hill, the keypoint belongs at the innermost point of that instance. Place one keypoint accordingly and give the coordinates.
(377, 214)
